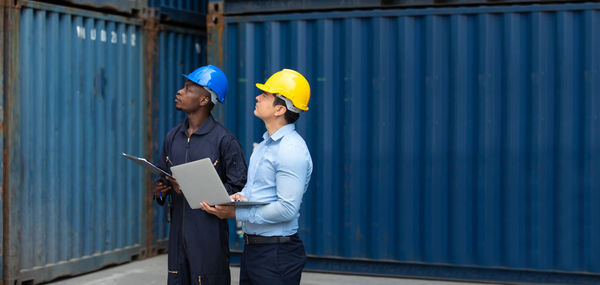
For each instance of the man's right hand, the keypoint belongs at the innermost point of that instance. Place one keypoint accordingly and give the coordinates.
(175, 185)
(162, 187)
(238, 197)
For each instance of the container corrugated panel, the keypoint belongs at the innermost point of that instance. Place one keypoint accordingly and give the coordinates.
(75, 204)
(233, 7)
(193, 6)
(180, 51)
(444, 136)
(266, 6)
(184, 11)
(126, 6)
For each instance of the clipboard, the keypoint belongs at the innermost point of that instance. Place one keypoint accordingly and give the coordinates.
(147, 165)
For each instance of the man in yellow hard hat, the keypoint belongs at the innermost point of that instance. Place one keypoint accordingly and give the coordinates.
(279, 172)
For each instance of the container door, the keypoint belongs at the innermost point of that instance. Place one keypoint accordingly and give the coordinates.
(74, 204)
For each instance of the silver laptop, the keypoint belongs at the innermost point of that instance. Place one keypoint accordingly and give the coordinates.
(199, 182)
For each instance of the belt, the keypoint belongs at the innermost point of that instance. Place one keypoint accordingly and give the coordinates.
(254, 239)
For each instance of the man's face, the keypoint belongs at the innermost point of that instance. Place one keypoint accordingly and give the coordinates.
(264, 108)
(191, 97)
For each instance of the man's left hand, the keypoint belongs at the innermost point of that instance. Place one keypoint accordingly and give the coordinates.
(221, 211)
(175, 185)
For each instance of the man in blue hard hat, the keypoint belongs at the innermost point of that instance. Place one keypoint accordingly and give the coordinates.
(198, 241)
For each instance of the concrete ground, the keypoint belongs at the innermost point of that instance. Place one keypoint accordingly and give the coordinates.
(152, 271)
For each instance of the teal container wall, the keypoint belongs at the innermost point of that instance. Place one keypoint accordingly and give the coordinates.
(75, 204)
(467, 137)
(179, 51)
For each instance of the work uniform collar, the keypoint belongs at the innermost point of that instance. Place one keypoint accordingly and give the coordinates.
(281, 132)
(206, 126)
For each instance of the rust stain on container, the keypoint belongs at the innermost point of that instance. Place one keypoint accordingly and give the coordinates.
(215, 25)
(10, 45)
(151, 28)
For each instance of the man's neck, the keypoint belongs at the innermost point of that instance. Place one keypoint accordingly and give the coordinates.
(195, 120)
(274, 125)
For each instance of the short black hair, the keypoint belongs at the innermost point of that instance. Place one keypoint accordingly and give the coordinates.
(290, 117)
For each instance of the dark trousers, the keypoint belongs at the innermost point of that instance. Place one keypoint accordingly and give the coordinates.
(273, 264)
(189, 266)
(180, 275)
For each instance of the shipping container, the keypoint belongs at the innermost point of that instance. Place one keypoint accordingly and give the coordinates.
(94, 78)
(258, 7)
(267, 6)
(188, 12)
(459, 143)
(179, 51)
(122, 6)
(74, 102)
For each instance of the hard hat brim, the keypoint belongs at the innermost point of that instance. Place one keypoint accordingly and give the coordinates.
(190, 79)
(265, 88)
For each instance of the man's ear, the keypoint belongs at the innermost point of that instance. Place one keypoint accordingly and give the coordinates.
(280, 110)
(205, 100)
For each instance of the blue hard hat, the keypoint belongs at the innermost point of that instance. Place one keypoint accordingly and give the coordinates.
(212, 77)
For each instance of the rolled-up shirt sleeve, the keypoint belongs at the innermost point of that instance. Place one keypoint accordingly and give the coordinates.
(292, 172)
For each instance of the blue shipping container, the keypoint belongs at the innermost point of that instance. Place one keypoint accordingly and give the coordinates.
(447, 142)
(193, 6)
(75, 102)
(125, 6)
(190, 12)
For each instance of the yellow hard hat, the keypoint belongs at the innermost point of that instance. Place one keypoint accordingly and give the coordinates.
(291, 85)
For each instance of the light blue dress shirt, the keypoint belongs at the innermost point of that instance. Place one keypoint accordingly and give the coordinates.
(279, 172)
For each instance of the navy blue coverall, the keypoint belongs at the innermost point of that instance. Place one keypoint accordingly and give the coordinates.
(199, 242)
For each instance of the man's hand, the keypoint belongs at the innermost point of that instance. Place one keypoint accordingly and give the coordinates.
(162, 188)
(175, 185)
(221, 211)
(238, 197)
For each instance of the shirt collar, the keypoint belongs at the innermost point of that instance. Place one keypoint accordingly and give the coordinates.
(206, 126)
(281, 132)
